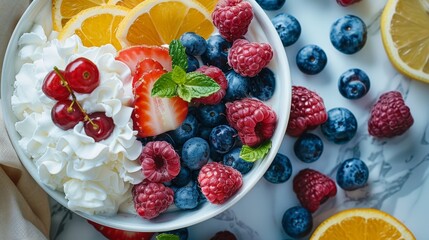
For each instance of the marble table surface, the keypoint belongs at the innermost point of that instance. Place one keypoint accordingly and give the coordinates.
(398, 182)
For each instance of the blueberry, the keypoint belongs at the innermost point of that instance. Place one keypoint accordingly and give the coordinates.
(193, 63)
(212, 115)
(186, 197)
(311, 59)
(262, 85)
(238, 86)
(280, 169)
(348, 34)
(194, 44)
(186, 130)
(287, 27)
(353, 84)
(195, 153)
(233, 159)
(352, 174)
(215, 156)
(165, 137)
(217, 52)
(222, 138)
(204, 132)
(182, 233)
(297, 222)
(340, 127)
(183, 178)
(308, 147)
(271, 4)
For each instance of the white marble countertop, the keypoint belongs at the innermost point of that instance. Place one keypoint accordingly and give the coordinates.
(398, 167)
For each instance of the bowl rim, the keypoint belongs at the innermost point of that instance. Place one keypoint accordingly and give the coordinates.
(23, 25)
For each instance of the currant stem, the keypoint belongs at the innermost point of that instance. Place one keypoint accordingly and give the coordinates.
(67, 86)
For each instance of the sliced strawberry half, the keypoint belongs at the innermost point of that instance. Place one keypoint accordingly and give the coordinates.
(155, 115)
(131, 56)
(117, 234)
(145, 66)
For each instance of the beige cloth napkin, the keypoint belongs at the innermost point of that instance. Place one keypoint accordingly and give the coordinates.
(24, 206)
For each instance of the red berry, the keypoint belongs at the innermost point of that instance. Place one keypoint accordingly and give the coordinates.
(151, 199)
(117, 234)
(219, 77)
(232, 18)
(346, 3)
(66, 114)
(160, 162)
(143, 67)
(219, 182)
(307, 111)
(224, 235)
(100, 128)
(254, 121)
(249, 58)
(313, 188)
(390, 116)
(82, 75)
(53, 88)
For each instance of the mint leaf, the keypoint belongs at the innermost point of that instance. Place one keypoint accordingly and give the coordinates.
(165, 86)
(252, 154)
(179, 75)
(197, 85)
(178, 54)
(166, 236)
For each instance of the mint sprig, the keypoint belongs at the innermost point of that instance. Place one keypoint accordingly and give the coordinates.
(253, 154)
(179, 83)
(166, 236)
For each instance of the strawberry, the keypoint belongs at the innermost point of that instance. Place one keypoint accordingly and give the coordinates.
(117, 234)
(145, 66)
(131, 56)
(155, 115)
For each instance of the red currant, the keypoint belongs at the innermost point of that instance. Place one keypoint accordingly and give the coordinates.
(53, 88)
(66, 114)
(100, 127)
(82, 75)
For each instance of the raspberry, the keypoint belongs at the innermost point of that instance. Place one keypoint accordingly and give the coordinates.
(232, 18)
(219, 182)
(313, 188)
(346, 3)
(151, 199)
(159, 161)
(390, 116)
(307, 111)
(249, 58)
(254, 121)
(224, 235)
(219, 77)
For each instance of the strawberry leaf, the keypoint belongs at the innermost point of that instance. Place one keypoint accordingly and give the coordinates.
(253, 154)
(178, 54)
(165, 86)
(166, 236)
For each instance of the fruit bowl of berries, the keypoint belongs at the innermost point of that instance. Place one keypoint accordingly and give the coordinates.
(139, 123)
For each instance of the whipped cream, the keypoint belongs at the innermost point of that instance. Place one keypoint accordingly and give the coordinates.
(96, 177)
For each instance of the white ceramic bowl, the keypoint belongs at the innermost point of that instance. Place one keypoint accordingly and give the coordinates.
(261, 30)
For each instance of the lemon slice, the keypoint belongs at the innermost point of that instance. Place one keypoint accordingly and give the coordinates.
(209, 4)
(405, 35)
(96, 26)
(125, 3)
(362, 224)
(157, 22)
(64, 10)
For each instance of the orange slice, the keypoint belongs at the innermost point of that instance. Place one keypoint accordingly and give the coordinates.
(362, 224)
(96, 26)
(157, 22)
(64, 10)
(125, 3)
